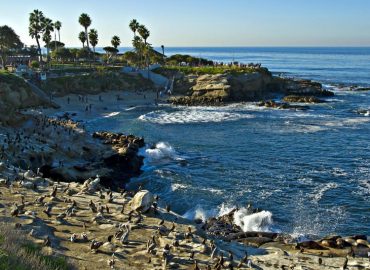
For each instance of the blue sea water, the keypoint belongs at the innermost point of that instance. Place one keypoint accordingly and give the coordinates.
(310, 170)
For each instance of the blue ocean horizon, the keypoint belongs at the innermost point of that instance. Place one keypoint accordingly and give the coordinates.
(329, 65)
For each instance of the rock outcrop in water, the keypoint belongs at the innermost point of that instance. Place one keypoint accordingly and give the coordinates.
(216, 89)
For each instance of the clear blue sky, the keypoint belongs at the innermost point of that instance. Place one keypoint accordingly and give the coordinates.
(205, 22)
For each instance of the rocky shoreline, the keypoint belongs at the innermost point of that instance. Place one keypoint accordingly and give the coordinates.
(65, 190)
(218, 89)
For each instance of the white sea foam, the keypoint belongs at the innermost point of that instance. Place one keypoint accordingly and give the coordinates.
(162, 150)
(111, 114)
(193, 115)
(199, 212)
(177, 186)
(319, 192)
(259, 222)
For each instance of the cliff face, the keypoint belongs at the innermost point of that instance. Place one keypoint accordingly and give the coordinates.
(218, 88)
(94, 83)
(15, 94)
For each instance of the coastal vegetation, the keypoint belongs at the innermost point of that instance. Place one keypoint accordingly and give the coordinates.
(19, 253)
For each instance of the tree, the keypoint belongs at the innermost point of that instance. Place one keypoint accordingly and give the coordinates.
(48, 27)
(85, 21)
(138, 45)
(94, 38)
(162, 46)
(9, 42)
(110, 51)
(36, 28)
(57, 26)
(116, 41)
(82, 38)
(134, 25)
(144, 33)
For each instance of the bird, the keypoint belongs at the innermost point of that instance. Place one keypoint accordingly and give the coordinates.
(95, 245)
(84, 236)
(15, 211)
(93, 207)
(54, 192)
(172, 227)
(191, 256)
(124, 237)
(73, 238)
(168, 208)
(189, 234)
(47, 242)
(47, 210)
(151, 245)
(111, 262)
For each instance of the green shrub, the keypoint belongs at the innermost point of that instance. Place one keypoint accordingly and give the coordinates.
(35, 64)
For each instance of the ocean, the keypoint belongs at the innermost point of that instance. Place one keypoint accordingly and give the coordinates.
(308, 170)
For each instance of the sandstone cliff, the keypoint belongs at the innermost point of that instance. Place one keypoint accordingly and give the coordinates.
(15, 94)
(212, 89)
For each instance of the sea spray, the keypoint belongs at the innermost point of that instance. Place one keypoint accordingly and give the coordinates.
(161, 150)
(258, 222)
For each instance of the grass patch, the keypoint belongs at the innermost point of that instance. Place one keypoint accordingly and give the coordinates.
(19, 253)
(209, 70)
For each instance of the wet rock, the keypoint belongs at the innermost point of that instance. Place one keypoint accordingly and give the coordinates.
(302, 99)
(283, 106)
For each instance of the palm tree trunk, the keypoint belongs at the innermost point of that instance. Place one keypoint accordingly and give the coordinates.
(39, 49)
(59, 35)
(2, 62)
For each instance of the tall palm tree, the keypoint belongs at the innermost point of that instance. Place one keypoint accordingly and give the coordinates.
(162, 46)
(116, 41)
(82, 38)
(48, 27)
(57, 26)
(138, 43)
(35, 28)
(134, 25)
(144, 33)
(93, 36)
(85, 21)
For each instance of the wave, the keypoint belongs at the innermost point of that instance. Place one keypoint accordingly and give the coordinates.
(161, 151)
(198, 212)
(193, 115)
(256, 222)
(111, 114)
(320, 191)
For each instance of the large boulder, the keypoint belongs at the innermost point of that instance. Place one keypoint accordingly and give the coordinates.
(142, 201)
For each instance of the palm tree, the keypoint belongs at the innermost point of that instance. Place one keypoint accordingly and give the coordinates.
(162, 46)
(82, 38)
(48, 27)
(138, 43)
(85, 21)
(143, 32)
(93, 36)
(35, 27)
(134, 25)
(57, 26)
(116, 41)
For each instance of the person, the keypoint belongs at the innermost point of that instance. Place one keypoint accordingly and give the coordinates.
(68, 99)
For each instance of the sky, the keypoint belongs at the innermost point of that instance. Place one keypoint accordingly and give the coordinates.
(214, 23)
